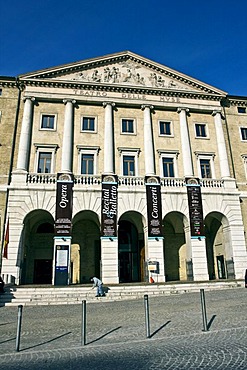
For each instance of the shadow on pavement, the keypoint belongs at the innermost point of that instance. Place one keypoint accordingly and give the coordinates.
(160, 328)
(48, 341)
(104, 335)
(211, 321)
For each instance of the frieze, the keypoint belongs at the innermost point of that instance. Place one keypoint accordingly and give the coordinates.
(130, 96)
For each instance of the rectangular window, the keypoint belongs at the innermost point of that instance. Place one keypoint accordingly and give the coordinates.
(128, 126)
(1, 91)
(88, 124)
(87, 164)
(165, 128)
(200, 130)
(48, 121)
(168, 167)
(44, 162)
(205, 168)
(241, 110)
(128, 165)
(243, 133)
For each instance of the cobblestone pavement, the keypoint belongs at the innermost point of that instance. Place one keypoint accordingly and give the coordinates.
(116, 334)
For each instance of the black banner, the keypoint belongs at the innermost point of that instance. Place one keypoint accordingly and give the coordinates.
(64, 198)
(154, 209)
(195, 207)
(109, 206)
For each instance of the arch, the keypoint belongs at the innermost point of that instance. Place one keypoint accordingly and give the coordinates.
(176, 250)
(131, 247)
(218, 246)
(85, 247)
(37, 248)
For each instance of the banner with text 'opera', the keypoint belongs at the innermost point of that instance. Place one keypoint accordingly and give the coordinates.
(195, 207)
(109, 206)
(64, 198)
(154, 208)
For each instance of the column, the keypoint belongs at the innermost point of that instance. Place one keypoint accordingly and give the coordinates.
(148, 141)
(224, 165)
(67, 152)
(109, 139)
(185, 142)
(25, 137)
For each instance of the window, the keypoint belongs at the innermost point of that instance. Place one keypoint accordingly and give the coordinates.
(88, 124)
(168, 162)
(200, 130)
(128, 165)
(87, 159)
(205, 168)
(45, 158)
(48, 121)
(129, 161)
(165, 128)
(244, 156)
(241, 110)
(87, 164)
(168, 167)
(243, 133)
(127, 126)
(44, 162)
(1, 91)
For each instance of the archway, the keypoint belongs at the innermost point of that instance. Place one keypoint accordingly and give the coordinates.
(37, 256)
(85, 247)
(218, 246)
(131, 251)
(175, 249)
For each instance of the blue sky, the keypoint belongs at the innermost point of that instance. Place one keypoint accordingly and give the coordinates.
(203, 39)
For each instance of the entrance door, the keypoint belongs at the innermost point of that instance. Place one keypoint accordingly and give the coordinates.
(129, 255)
(221, 267)
(42, 271)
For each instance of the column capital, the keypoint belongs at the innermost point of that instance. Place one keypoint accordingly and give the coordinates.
(180, 109)
(217, 111)
(65, 101)
(105, 103)
(144, 106)
(31, 98)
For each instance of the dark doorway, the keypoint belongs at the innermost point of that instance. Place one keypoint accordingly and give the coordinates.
(221, 267)
(42, 271)
(129, 254)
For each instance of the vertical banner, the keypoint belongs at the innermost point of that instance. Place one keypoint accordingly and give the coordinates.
(64, 198)
(154, 208)
(195, 207)
(109, 206)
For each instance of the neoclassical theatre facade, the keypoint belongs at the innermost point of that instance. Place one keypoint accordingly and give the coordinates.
(125, 169)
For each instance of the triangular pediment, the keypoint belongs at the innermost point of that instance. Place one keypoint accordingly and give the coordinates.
(124, 69)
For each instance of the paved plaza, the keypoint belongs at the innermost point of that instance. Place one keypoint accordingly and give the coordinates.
(116, 334)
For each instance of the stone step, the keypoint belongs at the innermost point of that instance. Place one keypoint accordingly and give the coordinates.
(16, 295)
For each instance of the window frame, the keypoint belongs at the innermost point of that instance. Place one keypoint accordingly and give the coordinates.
(168, 154)
(94, 131)
(206, 156)
(45, 148)
(201, 124)
(241, 136)
(91, 150)
(133, 152)
(127, 132)
(239, 108)
(171, 128)
(50, 115)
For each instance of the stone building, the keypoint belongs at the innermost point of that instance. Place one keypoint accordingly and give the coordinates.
(151, 164)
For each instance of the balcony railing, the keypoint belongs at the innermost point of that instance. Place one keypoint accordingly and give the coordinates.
(85, 180)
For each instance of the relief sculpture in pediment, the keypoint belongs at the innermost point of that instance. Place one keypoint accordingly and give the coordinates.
(127, 73)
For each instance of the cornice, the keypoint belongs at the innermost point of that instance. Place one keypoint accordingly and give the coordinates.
(121, 89)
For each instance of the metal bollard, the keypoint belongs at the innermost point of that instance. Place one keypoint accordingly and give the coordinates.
(204, 314)
(18, 334)
(83, 327)
(147, 315)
